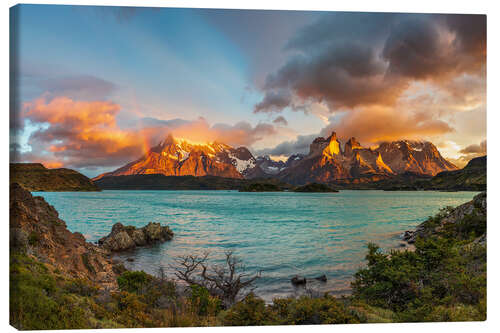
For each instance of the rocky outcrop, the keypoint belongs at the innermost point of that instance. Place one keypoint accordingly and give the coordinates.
(475, 209)
(35, 177)
(124, 238)
(37, 231)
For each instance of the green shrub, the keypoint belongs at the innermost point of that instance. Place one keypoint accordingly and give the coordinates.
(307, 310)
(133, 281)
(202, 302)
(36, 302)
(443, 279)
(81, 287)
(250, 311)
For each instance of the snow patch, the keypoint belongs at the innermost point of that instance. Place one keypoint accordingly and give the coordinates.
(242, 165)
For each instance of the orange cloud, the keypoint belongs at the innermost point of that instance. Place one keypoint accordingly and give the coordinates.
(86, 133)
(80, 132)
(52, 165)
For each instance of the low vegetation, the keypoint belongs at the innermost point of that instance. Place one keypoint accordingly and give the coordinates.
(443, 279)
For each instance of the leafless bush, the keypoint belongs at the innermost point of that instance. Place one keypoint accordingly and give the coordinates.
(228, 281)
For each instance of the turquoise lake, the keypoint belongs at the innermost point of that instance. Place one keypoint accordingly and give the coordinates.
(280, 234)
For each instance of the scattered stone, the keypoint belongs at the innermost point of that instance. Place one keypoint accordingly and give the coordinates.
(130, 259)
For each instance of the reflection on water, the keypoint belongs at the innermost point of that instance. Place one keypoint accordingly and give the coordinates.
(281, 234)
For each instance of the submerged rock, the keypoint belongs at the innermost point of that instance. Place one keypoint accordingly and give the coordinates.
(321, 278)
(298, 280)
(124, 238)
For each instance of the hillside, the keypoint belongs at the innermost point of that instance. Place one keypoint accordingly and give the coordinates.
(471, 177)
(35, 177)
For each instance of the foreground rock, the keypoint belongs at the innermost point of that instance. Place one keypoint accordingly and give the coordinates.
(37, 231)
(124, 238)
(474, 210)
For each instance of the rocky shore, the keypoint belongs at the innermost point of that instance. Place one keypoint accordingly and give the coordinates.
(37, 231)
(469, 211)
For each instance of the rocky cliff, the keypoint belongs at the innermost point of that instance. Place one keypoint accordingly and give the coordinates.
(35, 177)
(420, 157)
(37, 230)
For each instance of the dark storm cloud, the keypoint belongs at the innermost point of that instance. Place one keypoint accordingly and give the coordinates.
(476, 149)
(274, 101)
(353, 60)
(300, 145)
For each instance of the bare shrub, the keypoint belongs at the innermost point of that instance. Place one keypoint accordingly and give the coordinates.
(228, 281)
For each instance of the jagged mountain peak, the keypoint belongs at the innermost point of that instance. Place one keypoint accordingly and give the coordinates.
(326, 161)
(181, 157)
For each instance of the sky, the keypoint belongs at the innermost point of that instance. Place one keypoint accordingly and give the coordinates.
(93, 88)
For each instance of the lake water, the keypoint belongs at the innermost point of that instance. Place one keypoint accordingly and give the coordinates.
(280, 234)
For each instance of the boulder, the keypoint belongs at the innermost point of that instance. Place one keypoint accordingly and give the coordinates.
(128, 237)
(139, 237)
(118, 239)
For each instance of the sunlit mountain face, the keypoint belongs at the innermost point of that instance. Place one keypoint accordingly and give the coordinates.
(326, 161)
(111, 86)
(182, 157)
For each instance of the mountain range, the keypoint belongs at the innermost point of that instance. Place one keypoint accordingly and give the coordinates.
(328, 160)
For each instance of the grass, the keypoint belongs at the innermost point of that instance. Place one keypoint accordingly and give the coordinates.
(443, 279)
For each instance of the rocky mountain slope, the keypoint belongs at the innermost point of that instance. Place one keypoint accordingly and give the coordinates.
(35, 177)
(327, 161)
(180, 157)
(36, 230)
(420, 157)
(471, 177)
